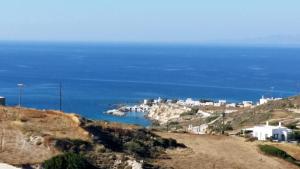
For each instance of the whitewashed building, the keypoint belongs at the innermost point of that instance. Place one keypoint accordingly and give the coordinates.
(277, 133)
(231, 105)
(222, 102)
(209, 103)
(191, 102)
(264, 100)
(198, 129)
(247, 103)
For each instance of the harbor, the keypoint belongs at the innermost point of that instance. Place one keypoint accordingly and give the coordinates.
(149, 106)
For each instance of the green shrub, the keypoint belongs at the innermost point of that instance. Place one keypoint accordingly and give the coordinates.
(292, 125)
(211, 118)
(274, 151)
(295, 136)
(192, 112)
(167, 143)
(136, 148)
(75, 146)
(68, 161)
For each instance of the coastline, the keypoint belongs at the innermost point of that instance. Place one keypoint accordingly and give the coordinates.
(163, 110)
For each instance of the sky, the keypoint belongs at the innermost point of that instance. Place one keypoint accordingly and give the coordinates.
(199, 21)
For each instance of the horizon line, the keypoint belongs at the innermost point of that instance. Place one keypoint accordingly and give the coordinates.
(237, 44)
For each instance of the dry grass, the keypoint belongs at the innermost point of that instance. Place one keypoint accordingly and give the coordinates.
(218, 152)
(17, 127)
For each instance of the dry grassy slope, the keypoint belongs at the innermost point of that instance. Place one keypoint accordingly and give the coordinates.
(29, 136)
(285, 110)
(25, 135)
(220, 152)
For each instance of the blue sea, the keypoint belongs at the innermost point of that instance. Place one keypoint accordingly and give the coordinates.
(98, 76)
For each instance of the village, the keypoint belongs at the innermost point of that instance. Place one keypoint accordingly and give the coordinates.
(167, 111)
(189, 102)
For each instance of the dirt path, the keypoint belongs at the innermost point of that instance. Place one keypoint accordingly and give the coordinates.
(218, 152)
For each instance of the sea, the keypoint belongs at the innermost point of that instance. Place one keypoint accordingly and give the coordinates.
(96, 77)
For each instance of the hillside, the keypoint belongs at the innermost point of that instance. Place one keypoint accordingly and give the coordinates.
(28, 137)
(286, 111)
(222, 152)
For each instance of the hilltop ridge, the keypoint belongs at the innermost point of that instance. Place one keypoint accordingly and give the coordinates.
(29, 137)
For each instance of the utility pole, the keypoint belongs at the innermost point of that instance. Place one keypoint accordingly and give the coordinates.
(60, 96)
(223, 122)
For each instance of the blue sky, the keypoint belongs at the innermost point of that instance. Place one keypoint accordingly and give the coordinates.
(151, 20)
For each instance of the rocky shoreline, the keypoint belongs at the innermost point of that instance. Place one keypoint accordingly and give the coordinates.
(165, 110)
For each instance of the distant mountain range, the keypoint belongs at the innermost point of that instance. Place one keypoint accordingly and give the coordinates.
(276, 39)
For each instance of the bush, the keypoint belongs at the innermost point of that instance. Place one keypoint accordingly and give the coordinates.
(75, 146)
(68, 161)
(192, 112)
(292, 126)
(295, 136)
(274, 151)
(135, 147)
(211, 118)
(168, 143)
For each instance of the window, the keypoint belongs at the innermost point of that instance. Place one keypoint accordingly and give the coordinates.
(275, 136)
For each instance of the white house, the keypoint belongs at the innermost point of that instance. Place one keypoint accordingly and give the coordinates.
(222, 102)
(247, 103)
(198, 129)
(217, 104)
(264, 100)
(145, 102)
(181, 102)
(209, 103)
(192, 102)
(264, 132)
(231, 105)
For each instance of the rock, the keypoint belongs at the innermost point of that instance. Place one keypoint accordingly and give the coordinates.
(165, 112)
(7, 166)
(115, 112)
(135, 165)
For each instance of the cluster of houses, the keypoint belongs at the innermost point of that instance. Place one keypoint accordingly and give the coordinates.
(136, 108)
(261, 132)
(191, 102)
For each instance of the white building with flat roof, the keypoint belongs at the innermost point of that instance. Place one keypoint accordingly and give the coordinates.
(222, 102)
(231, 105)
(247, 103)
(278, 133)
(264, 100)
